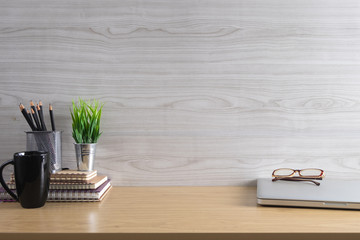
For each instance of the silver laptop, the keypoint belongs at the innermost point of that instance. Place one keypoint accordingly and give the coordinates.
(331, 193)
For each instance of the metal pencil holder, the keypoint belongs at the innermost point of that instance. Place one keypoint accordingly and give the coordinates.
(48, 141)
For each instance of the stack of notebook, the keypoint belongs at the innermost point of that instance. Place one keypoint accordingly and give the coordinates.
(71, 185)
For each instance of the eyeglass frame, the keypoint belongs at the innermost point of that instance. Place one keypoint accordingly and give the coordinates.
(296, 179)
(318, 177)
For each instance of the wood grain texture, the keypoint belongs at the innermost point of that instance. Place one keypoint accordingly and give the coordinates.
(135, 213)
(196, 92)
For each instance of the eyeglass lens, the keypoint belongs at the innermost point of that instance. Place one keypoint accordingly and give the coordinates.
(310, 172)
(283, 172)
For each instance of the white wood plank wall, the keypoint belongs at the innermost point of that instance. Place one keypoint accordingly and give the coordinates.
(197, 92)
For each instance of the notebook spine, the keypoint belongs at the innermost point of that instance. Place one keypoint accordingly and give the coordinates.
(69, 191)
(62, 187)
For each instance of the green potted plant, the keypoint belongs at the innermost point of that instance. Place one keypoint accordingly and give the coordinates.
(86, 117)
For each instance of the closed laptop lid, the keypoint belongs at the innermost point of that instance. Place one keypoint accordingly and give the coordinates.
(331, 190)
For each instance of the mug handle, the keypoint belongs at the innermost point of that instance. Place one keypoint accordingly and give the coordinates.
(3, 182)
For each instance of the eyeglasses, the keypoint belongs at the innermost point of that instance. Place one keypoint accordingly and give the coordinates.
(304, 173)
(288, 174)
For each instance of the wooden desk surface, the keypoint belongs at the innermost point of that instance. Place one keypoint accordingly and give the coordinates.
(175, 213)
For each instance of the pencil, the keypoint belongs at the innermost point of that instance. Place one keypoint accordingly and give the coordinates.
(27, 118)
(30, 118)
(36, 120)
(29, 114)
(34, 114)
(52, 117)
(41, 116)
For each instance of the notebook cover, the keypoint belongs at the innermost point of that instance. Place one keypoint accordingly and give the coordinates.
(78, 195)
(107, 190)
(73, 175)
(67, 195)
(57, 185)
(69, 175)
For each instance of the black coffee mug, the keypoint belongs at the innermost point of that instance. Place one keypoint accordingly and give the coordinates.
(32, 178)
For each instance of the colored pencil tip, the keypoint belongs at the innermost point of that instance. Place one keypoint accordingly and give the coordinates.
(21, 106)
(50, 107)
(38, 107)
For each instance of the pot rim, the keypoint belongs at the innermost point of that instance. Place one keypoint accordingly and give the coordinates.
(85, 143)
